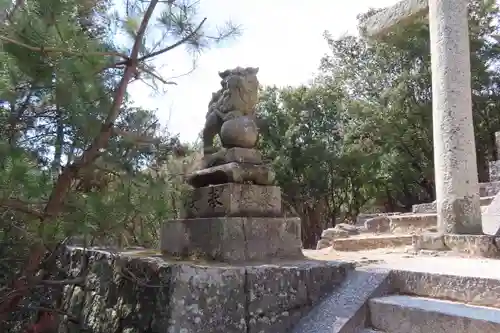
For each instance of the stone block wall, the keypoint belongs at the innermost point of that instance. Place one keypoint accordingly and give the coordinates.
(139, 291)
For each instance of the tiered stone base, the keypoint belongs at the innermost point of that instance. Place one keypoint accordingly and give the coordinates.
(256, 278)
(233, 214)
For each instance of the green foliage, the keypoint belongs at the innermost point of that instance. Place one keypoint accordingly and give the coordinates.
(68, 129)
(59, 78)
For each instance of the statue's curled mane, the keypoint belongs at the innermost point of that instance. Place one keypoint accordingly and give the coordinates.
(238, 92)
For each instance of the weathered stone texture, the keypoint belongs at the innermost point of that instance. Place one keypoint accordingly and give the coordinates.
(473, 245)
(480, 291)
(494, 170)
(434, 242)
(455, 162)
(458, 205)
(361, 218)
(489, 189)
(378, 224)
(232, 173)
(339, 231)
(430, 207)
(332, 233)
(424, 208)
(398, 15)
(142, 292)
(239, 132)
(476, 245)
(233, 200)
(369, 243)
(232, 239)
(236, 154)
(408, 314)
(344, 310)
(411, 223)
(236, 98)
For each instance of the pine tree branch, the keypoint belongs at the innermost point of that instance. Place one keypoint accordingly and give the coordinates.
(21, 206)
(60, 50)
(156, 76)
(173, 46)
(89, 156)
(157, 53)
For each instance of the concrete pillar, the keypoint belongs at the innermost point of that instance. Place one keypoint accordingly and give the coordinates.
(457, 190)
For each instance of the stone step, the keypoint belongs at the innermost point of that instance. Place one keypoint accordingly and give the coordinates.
(411, 223)
(445, 278)
(345, 310)
(430, 207)
(408, 314)
(363, 242)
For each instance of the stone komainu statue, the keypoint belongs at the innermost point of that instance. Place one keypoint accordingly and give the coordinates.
(237, 98)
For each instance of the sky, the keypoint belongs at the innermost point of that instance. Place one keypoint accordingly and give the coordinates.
(284, 38)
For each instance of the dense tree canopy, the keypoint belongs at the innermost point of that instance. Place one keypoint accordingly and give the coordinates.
(359, 138)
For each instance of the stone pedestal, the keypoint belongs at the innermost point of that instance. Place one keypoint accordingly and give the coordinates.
(233, 239)
(233, 214)
(239, 265)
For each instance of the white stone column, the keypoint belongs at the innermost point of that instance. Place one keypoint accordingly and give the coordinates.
(457, 190)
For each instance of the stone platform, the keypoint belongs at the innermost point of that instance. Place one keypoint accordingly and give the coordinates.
(233, 239)
(142, 291)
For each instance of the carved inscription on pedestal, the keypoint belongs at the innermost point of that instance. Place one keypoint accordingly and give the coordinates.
(234, 200)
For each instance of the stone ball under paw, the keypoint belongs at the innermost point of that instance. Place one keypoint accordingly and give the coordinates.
(239, 132)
